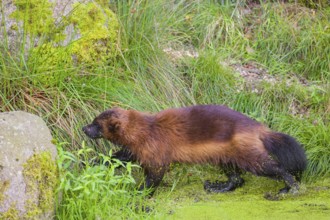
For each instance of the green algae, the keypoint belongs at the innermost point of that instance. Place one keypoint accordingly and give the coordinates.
(252, 209)
(190, 201)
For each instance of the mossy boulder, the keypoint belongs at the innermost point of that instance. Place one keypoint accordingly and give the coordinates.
(28, 171)
(57, 36)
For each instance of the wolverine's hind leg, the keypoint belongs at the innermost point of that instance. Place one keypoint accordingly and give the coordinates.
(234, 181)
(276, 171)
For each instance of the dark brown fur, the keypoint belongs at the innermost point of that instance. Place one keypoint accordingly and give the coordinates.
(197, 134)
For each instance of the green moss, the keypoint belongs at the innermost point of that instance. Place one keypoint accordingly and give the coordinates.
(10, 214)
(41, 177)
(48, 61)
(51, 57)
(33, 210)
(99, 32)
(36, 16)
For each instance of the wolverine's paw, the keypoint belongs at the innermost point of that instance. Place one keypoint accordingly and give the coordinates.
(271, 196)
(283, 193)
(217, 184)
(221, 187)
(284, 190)
(289, 190)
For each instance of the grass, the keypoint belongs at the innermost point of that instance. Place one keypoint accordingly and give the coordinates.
(289, 40)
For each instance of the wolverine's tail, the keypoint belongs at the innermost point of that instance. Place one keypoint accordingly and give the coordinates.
(287, 151)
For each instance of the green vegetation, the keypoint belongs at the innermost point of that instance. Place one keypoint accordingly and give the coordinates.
(41, 175)
(269, 60)
(98, 191)
(11, 213)
(99, 34)
(248, 202)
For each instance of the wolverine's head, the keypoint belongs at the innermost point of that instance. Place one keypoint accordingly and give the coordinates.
(108, 125)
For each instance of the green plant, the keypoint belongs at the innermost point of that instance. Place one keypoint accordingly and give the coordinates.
(94, 191)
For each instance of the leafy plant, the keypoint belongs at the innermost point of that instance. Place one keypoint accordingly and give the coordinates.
(94, 191)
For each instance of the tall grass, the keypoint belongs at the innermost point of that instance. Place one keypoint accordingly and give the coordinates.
(293, 38)
(284, 37)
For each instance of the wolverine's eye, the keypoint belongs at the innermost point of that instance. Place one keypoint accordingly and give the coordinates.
(112, 128)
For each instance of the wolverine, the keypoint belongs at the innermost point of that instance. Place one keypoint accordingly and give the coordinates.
(213, 134)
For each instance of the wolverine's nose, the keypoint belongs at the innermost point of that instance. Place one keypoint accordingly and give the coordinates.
(92, 131)
(85, 129)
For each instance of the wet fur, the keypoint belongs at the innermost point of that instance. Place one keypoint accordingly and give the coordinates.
(201, 134)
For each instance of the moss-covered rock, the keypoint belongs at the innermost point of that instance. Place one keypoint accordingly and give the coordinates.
(10, 214)
(41, 178)
(28, 172)
(58, 36)
(98, 27)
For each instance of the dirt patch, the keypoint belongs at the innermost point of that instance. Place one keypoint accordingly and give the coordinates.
(180, 53)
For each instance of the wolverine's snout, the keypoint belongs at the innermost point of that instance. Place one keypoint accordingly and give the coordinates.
(92, 131)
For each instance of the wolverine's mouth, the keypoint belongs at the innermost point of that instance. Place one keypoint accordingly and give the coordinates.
(92, 131)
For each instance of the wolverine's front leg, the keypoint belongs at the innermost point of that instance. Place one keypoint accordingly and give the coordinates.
(153, 176)
(124, 155)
